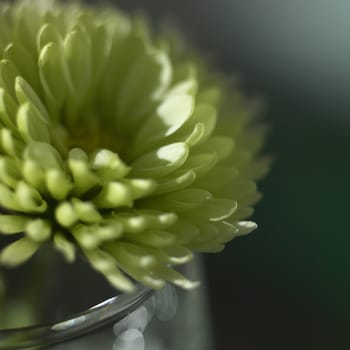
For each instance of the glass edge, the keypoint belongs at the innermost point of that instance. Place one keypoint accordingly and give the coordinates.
(43, 335)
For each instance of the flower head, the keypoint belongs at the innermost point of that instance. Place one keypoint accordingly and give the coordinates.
(117, 146)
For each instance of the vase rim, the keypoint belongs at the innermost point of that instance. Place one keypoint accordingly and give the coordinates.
(96, 316)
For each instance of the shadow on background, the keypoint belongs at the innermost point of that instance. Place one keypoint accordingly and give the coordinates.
(287, 285)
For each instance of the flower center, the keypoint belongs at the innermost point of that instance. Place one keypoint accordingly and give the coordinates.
(90, 136)
(91, 139)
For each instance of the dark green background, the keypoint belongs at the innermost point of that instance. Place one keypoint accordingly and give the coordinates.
(286, 286)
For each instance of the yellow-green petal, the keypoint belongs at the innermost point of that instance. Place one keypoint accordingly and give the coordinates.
(58, 183)
(114, 195)
(29, 198)
(39, 230)
(65, 214)
(30, 125)
(64, 246)
(18, 252)
(161, 162)
(10, 224)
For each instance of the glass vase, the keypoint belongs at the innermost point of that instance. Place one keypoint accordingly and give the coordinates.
(169, 319)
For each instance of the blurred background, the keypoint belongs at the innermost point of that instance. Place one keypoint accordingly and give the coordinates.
(287, 285)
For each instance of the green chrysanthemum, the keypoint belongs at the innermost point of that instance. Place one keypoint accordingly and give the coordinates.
(111, 146)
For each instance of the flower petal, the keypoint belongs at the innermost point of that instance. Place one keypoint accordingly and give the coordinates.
(18, 252)
(174, 182)
(180, 201)
(160, 162)
(86, 211)
(108, 165)
(154, 238)
(128, 254)
(44, 155)
(85, 236)
(200, 164)
(155, 70)
(113, 195)
(8, 74)
(77, 52)
(66, 247)
(65, 214)
(30, 125)
(245, 227)
(9, 172)
(10, 144)
(23, 61)
(105, 264)
(29, 198)
(221, 145)
(175, 277)
(58, 183)
(84, 178)
(203, 114)
(170, 116)
(52, 74)
(8, 110)
(218, 178)
(25, 93)
(34, 175)
(140, 187)
(8, 199)
(48, 33)
(10, 224)
(173, 255)
(39, 230)
(215, 209)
